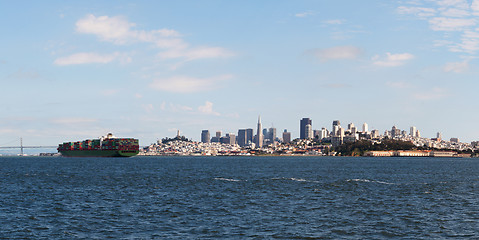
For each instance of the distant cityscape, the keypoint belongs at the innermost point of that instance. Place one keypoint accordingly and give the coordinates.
(311, 142)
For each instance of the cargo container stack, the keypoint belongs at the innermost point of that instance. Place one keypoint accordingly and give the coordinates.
(108, 146)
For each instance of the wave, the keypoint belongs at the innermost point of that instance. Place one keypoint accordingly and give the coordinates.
(368, 181)
(227, 179)
(295, 179)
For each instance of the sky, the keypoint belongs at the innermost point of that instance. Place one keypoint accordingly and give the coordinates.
(74, 70)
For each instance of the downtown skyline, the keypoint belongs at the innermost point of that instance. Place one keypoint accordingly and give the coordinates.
(146, 69)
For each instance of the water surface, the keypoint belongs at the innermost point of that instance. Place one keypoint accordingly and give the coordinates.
(238, 197)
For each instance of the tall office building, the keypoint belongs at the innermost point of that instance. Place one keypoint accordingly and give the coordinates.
(395, 132)
(272, 134)
(324, 133)
(375, 133)
(249, 136)
(242, 137)
(439, 136)
(365, 128)
(336, 126)
(317, 134)
(259, 135)
(232, 138)
(308, 131)
(286, 136)
(412, 131)
(205, 136)
(302, 127)
(218, 134)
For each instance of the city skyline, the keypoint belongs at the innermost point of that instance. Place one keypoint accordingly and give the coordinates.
(146, 69)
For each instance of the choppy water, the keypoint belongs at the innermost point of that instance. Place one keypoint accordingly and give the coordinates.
(238, 197)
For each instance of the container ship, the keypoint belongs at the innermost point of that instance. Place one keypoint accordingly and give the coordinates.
(106, 146)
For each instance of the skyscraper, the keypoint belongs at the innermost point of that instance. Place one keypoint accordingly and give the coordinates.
(308, 132)
(336, 126)
(259, 135)
(365, 128)
(286, 136)
(302, 127)
(249, 136)
(205, 136)
(395, 132)
(242, 137)
(272, 134)
(412, 131)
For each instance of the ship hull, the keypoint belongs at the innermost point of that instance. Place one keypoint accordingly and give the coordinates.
(98, 153)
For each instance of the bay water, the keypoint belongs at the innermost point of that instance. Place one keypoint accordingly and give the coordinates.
(238, 198)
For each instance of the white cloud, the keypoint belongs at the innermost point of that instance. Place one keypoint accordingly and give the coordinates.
(196, 53)
(118, 30)
(334, 21)
(452, 16)
(392, 60)
(207, 109)
(454, 12)
(469, 43)
(85, 58)
(304, 14)
(457, 67)
(336, 53)
(451, 24)
(184, 84)
(475, 7)
(453, 3)
(180, 108)
(418, 11)
(431, 94)
(148, 107)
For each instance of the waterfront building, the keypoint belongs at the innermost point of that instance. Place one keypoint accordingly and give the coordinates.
(205, 136)
(259, 135)
(286, 136)
(302, 127)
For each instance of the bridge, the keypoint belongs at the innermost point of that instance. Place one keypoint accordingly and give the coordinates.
(21, 147)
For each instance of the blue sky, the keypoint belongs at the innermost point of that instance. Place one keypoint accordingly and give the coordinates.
(72, 70)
